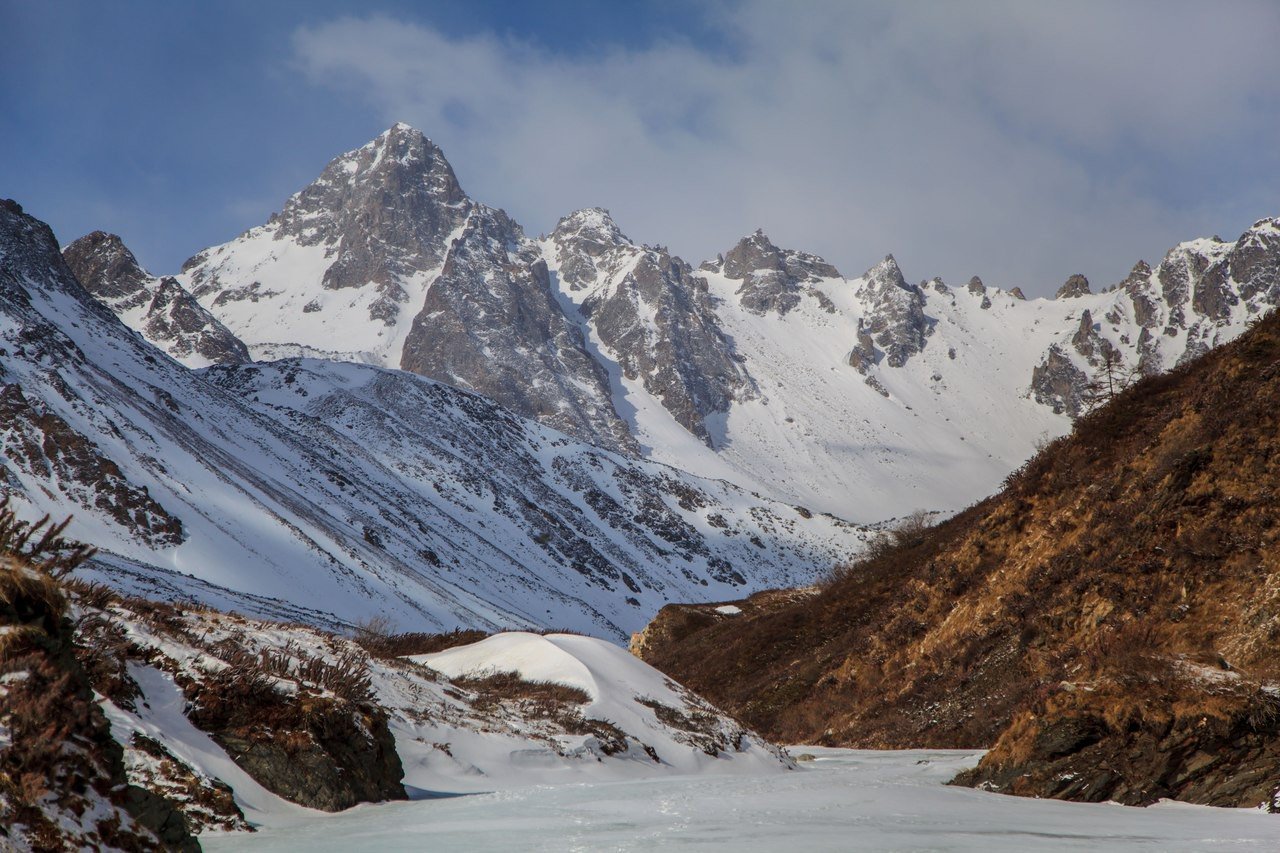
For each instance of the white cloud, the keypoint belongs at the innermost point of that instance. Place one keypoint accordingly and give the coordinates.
(1019, 141)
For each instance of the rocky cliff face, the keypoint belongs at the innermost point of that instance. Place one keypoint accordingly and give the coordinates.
(653, 315)
(159, 308)
(490, 323)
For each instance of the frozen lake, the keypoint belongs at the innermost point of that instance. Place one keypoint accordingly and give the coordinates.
(845, 800)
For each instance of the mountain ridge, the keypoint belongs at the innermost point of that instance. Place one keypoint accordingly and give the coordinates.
(692, 366)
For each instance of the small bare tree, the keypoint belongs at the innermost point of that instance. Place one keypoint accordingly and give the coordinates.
(1112, 378)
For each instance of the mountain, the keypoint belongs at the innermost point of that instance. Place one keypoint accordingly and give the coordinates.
(384, 260)
(1105, 625)
(328, 493)
(160, 308)
(868, 397)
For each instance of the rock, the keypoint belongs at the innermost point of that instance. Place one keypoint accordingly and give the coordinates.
(895, 319)
(1058, 383)
(1076, 285)
(1068, 735)
(341, 762)
(491, 324)
(773, 279)
(655, 316)
(1016, 293)
(1254, 261)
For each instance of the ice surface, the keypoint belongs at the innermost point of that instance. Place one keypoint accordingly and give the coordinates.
(847, 800)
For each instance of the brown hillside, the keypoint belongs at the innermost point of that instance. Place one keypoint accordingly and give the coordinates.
(1107, 623)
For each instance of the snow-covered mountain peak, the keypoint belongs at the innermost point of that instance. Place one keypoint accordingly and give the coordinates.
(590, 223)
(399, 183)
(588, 248)
(885, 274)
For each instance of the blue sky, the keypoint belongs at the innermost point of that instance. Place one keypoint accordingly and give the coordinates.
(1019, 141)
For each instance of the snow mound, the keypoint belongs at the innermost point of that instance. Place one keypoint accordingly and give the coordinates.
(533, 657)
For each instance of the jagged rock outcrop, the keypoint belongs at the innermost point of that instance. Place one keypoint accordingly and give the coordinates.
(1088, 341)
(653, 314)
(977, 288)
(773, 279)
(159, 308)
(1074, 286)
(1059, 384)
(895, 321)
(491, 324)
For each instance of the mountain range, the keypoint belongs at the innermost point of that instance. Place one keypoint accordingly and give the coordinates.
(867, 397)
(389, 399)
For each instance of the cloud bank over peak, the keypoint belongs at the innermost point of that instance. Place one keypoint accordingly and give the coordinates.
(1018, 142)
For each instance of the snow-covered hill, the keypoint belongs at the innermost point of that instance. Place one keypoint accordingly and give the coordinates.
(474, 718)
(868, 397)
(332, 492)
(132, 724)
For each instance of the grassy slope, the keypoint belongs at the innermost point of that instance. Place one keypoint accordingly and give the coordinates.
(1123, 591)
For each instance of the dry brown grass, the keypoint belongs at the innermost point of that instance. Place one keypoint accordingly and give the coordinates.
(1148, 536)
(380, 642)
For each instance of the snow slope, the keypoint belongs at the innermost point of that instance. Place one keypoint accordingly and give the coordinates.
(337, 492)
(624, 690)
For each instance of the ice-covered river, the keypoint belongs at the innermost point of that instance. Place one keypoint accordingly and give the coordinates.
(845, 800)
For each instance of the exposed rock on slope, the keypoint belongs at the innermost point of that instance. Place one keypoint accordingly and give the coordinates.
(773, 279)
(159, 308)
(243, 723)
(490, 323)
(1105, 624)
(1076, 285)
(895, 321)
(652, 316)
(62, 778)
